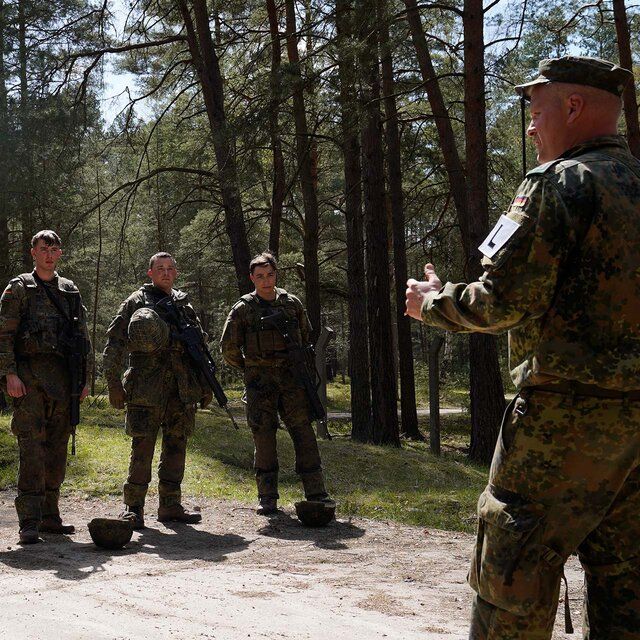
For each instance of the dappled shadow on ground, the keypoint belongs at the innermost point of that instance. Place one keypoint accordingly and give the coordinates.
(184, 542)
(285, 527)
(71, 560)
(68, 559)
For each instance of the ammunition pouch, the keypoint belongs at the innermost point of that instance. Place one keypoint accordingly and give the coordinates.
(263, 343)
(511, 568)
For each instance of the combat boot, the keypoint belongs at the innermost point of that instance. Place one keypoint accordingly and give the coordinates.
(53, 524)
(267, 506)
(135, 515)
(29, 533)
(177, 513)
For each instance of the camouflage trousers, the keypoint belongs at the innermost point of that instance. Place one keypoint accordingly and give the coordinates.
(176, 420)
(41, 425)
(272, 391)
(565, 478)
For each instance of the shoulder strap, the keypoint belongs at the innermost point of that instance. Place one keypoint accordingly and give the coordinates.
(54, 301)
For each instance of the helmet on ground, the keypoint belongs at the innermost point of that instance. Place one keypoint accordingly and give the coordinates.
(110, 533)
(315, 513)
(147, 331)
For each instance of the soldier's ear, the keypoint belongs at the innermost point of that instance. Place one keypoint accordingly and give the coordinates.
(149, 272)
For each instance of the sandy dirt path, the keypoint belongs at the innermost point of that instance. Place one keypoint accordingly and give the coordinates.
(237, 575)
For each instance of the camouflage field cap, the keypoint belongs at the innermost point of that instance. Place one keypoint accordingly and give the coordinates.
(592, 72)
(147, 331)
(110, 533)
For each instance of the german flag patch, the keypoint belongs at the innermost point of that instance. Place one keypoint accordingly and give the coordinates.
(520, 201)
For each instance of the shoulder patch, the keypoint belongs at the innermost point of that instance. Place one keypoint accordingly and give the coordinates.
(498, 236)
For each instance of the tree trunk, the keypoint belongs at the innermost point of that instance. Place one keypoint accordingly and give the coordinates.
(452, 162)
(356, 282)
(394, 171)
(278, 185)
(25, 200)
(206, 63)
(5, 263)
(383, 384)
(626, 61)
(434, 394)
(307, 172)
(486, 390)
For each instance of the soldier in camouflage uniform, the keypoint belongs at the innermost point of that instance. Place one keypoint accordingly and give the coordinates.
(562, 269)
(160, 388)
(35, 375)
(271, 387)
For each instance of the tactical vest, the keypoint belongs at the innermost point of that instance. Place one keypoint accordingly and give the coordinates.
(266, 342)
(42, 328)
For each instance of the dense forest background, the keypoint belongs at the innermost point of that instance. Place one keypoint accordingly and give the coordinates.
(357, 139)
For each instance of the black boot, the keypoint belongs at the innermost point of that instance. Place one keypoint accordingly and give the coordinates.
(135, 515)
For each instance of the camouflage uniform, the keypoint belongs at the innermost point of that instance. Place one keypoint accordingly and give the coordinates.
(565, 473)
(31, 334)
(162, 389)
(271, 388)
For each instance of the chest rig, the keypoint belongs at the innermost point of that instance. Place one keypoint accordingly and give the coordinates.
(262, 340)
(43, 328)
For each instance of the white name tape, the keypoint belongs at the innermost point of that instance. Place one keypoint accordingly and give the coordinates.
(498, 236)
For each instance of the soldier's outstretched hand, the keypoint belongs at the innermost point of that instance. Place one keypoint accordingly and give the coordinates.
(416, 291)
(15, 386)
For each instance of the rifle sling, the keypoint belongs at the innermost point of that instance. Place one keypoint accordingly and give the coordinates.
(54, 301)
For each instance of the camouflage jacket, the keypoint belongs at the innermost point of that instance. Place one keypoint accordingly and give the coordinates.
(31, 325)
(562, 273)
(149, 376)
(245, 342)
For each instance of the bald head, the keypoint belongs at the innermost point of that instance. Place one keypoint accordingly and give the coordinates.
(564, 115)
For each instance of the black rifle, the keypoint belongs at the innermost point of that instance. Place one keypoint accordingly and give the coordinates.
(299, 357)
(193, 341)
(74, 346)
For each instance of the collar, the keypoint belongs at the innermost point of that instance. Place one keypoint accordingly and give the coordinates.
(595, 143)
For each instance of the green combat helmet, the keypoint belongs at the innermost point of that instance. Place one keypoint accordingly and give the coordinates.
(147, 331)
(110, 533)
(315, 513)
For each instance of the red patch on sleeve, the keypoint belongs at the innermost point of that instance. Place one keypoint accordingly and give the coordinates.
(520, 201)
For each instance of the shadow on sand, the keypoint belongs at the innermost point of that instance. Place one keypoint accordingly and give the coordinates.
(71, 560)
(285, 527)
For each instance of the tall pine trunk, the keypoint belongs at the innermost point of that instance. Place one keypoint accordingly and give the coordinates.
(486, 389)
(278, 186)
(383, 385)
(358, 326)
(206, 63)
(626, 61)
(25, 201)
(4, 158)
(307, 175)
(485, 383)
(394, 172)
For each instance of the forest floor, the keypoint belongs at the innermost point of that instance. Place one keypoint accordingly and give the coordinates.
(238, 575)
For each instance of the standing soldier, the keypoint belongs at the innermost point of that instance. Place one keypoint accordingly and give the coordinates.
(271, 387)
(562, 275)
(37, 310)
(160, 389)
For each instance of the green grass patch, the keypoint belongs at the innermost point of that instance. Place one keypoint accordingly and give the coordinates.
(407, 485)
